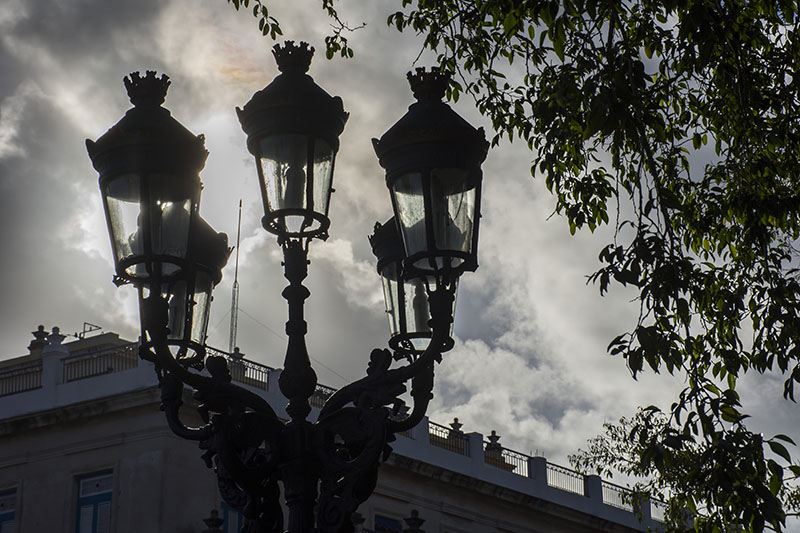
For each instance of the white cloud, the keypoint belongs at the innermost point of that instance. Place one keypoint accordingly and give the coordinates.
(11, 115)
(13, 11)
(357, 281)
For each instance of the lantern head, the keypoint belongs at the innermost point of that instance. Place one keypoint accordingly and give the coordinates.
(293, 129)
(189, 295)
(406, 299)
(432, 159)
(149, 167)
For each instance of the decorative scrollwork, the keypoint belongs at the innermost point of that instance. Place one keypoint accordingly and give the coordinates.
(349, 444)
(332, 463)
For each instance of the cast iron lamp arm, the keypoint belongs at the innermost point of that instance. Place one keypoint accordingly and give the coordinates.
(171, 402)
(441, 305)
(390, 382)
(155, 317)
(354, 428)
(422, 393)
(240, 438)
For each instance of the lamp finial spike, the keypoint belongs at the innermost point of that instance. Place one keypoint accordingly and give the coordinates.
(295, 58)
(429, 86)
(147, 90)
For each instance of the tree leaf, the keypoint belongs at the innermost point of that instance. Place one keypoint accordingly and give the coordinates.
(779, 449)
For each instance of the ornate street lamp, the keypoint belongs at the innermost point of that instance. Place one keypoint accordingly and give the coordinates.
(293, 129)
(406, 299)
(150, 186)
(433, 160)
(149, 167)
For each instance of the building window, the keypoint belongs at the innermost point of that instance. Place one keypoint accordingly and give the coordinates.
(8, 509)
(232, 517)
(94, 503)
(384, 524)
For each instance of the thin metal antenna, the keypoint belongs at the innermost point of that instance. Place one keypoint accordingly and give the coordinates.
(88, 327)
(235, 294)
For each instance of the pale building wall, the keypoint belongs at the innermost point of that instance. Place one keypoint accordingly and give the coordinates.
(108, 419)
(160, 484)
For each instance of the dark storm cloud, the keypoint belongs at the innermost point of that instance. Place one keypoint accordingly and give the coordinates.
(40, 191)
(47, 48)
(12, 71)
(80, 31)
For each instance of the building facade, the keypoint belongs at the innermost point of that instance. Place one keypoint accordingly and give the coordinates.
(85, 448)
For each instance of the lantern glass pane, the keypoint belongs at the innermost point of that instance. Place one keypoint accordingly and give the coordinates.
(391, 297)
(169, 225)
(195, 307)
(289, 187)
(418, 312)
(122, 205)
(174, 292)
(201, 307)
(451, 217)
(283, 162)
(453, 206)
(170, 203)
(323, 175)
(410, 204)
(177, 310)
(409, 311)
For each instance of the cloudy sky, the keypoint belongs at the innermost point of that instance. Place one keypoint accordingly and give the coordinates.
(530, 359)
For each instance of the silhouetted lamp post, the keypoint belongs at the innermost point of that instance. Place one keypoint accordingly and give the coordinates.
(149, 168)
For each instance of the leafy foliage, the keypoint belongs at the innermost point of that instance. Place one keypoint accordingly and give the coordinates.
(677, 121)
(268, 24)
(336, 43)
(684, 473)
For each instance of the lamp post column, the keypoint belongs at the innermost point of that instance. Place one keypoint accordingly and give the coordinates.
(299, 469)
(298, 380)
(300, 475)
(293, 129)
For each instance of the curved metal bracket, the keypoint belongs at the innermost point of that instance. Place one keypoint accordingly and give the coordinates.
(349, 443)
(241, 433)
(382, 385)
(171, 401)
(251, 449)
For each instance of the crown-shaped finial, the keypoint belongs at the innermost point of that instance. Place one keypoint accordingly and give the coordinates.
(429, 86)
(293, 58)
(148, 90)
